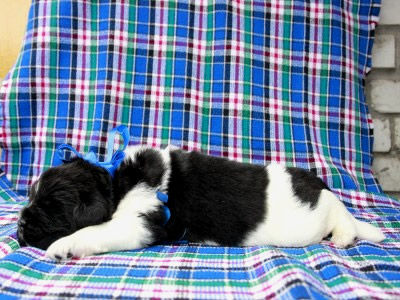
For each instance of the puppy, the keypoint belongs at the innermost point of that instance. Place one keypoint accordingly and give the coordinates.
(78, 209)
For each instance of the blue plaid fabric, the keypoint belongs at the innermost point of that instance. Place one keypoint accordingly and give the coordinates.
(255, 82)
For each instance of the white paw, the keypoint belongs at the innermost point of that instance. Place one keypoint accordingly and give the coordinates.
(343, 240)
(68, 247)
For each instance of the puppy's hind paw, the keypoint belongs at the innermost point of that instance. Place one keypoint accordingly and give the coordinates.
(343, 240)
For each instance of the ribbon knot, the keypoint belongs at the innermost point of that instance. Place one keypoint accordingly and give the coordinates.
(112, 160)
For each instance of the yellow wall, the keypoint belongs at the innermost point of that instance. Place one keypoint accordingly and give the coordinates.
(13, 18)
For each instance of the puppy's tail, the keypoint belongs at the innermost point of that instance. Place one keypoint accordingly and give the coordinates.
(368, 232)
(345, 227)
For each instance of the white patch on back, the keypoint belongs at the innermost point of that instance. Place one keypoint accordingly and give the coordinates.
(288, 222)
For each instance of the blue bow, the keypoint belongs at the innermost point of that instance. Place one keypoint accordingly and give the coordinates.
(112, 161)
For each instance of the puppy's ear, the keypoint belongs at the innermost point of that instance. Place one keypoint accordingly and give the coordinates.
(92, 211)
(95, 190)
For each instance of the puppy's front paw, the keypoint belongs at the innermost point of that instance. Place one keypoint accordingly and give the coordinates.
(69, 246)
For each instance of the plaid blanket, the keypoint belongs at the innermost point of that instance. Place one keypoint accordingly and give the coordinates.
(255, 81)
(365, 270)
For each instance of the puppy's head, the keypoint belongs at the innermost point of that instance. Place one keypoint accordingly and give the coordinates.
(64, 200)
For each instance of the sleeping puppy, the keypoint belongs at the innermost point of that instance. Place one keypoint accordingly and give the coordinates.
(78, 209)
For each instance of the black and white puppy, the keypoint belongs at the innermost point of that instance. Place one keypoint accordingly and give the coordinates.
(77, 209)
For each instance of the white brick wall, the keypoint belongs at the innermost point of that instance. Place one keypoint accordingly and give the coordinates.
(383, 94)
(382, 142)
(396, 139)
(384, 52)
(387, 169)
(390, 13)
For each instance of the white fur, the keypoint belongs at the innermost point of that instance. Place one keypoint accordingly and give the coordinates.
(165, 154)
(132, 151)
(290, 223)
(124, 231)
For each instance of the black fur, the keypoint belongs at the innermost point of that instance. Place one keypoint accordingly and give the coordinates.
(155, 221)
(214, 198)
(307, 186)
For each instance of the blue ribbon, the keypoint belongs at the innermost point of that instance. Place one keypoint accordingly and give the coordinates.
(112, 161)
(164, 198)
